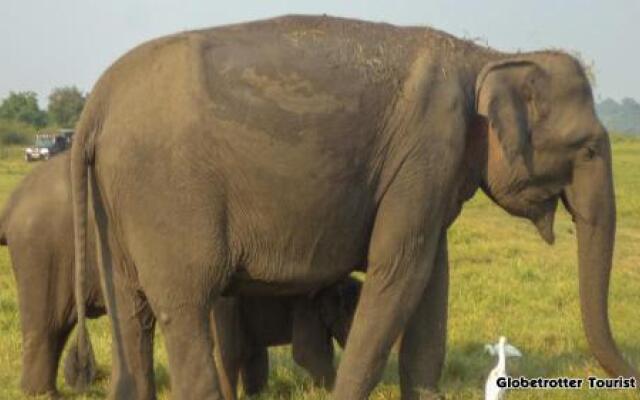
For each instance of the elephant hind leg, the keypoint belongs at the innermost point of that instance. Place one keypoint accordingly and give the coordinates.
(41, 355)
(132, 370)
(189, 344)
(181, 298)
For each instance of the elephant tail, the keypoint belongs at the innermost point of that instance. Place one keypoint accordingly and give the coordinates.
(80, 366)
(3, 233)
(4, 218)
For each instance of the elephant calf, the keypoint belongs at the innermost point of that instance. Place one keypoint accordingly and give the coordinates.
(246, 326)
(37, 227)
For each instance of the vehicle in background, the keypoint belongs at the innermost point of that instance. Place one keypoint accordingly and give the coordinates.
(67, 134)
(48, 145)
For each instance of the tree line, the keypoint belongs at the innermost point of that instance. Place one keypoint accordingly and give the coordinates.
(21, 116)
(621, 117)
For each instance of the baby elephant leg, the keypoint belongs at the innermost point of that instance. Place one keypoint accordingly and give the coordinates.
(230, 349)
(312, 344)
(255, 371)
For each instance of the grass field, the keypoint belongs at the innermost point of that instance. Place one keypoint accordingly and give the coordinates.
(505, 281)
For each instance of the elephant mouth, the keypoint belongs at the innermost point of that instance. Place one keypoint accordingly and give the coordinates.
(540, 210)
(545, 218)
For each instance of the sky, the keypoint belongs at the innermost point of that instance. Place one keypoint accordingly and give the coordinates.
(47, 44)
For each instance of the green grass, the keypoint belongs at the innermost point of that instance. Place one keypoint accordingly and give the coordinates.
(505, 281)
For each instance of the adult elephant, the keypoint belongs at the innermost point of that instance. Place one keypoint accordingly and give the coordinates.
(37, 226)
(274, 156)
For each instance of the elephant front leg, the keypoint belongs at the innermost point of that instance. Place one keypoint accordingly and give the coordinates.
(423, 346)
(401, 257)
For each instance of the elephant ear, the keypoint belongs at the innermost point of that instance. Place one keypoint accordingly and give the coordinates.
(511, 95)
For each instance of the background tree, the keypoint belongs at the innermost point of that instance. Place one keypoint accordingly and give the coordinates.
(65, 106)
(23, 107)
(15, 133)
(620, 117)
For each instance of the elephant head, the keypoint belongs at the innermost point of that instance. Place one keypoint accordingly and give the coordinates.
(544, 144)
(338, 305)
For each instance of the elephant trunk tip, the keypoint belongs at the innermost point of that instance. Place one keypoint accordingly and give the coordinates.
(614, 364)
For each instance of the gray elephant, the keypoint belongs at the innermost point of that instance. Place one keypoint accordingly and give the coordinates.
(36, 225)
(272, 157)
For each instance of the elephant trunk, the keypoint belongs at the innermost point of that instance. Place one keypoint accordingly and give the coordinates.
(590, 199)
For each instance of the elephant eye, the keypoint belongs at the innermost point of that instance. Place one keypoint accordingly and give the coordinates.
(590, 153)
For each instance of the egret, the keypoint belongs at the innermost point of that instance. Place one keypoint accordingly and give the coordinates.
(503, 350)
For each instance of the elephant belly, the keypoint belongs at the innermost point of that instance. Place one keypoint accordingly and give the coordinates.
(301, 246)
(299, 226)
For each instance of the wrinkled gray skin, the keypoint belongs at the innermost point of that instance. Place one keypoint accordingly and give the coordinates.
(37, 226)
(248, 325)
(273, 157)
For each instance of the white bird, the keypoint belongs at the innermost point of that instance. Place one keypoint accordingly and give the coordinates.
(503, 350)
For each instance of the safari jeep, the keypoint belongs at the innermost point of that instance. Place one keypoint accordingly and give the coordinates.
(45, 147)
